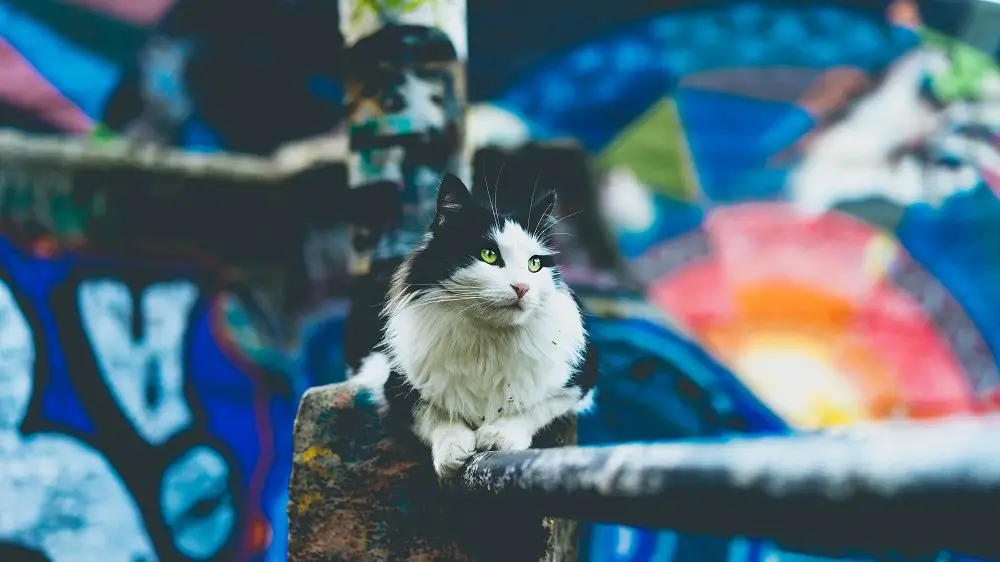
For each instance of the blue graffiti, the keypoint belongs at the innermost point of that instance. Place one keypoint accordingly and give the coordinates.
(155, 442)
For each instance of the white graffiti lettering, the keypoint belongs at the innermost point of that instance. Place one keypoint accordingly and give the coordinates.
(58, 496)
(145, 374)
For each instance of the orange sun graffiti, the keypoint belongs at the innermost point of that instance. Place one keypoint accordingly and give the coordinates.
(805, 313)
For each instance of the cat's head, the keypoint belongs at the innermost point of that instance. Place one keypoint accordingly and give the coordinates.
(489, 263)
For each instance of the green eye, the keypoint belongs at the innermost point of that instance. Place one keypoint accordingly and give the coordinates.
(534, 265)
(488, 256)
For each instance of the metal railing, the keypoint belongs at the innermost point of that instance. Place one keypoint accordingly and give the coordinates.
(903, 488)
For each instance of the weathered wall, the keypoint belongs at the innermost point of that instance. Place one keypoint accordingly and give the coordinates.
(809, 194)
(136, 419)
(146, 394)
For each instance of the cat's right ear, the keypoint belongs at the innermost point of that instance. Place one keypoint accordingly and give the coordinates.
(452, 197)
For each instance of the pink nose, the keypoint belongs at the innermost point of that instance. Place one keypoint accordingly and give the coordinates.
(519, 290)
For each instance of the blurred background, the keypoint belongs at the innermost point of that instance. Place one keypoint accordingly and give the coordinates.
(801, 202)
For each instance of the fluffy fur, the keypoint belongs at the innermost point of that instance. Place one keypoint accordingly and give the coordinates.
(474, 365)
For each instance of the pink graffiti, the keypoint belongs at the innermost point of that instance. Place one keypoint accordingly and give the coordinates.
(140, 12)
(22, 86)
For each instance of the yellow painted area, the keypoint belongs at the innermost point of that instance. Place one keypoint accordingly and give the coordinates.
(313, 454)
(307, 500)
(791, 346)
(379, 7)
(796, 377)
(654, 148)
(880, 253)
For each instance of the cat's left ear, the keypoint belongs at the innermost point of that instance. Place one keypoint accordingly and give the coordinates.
(543, 212)
(452, 197)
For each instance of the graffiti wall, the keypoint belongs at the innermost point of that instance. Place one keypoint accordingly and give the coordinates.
(134, 426)
(142, 417)
(808, 191)
(168, 70)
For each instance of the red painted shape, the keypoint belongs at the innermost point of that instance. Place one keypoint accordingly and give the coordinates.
(898, 330)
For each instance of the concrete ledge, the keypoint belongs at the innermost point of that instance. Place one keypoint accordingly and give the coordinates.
(362, 489)
(84, 153)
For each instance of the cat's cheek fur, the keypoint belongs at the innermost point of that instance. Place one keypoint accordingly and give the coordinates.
(482, 279)
(492, 284)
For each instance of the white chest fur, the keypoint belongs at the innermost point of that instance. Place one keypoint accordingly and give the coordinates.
(476, 372)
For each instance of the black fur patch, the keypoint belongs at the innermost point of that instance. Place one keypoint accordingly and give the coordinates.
(402, 398)
(462, 228)
(365, 326)
(585, 376)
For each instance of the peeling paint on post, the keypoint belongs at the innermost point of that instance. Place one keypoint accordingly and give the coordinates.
(406, 104)
(362, 490)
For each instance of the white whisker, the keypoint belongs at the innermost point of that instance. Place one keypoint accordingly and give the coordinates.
(531, 202)
(492, 199)
(557, 221)
(496, 184)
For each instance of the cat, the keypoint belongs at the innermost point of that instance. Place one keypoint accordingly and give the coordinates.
(484, 344)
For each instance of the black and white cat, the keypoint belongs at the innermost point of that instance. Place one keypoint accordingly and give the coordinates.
(484, 343)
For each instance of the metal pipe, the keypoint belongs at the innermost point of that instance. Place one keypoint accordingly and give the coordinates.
(904, 488)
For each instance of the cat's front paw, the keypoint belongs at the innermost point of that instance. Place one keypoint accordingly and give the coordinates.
(450, 451)
(502, 437)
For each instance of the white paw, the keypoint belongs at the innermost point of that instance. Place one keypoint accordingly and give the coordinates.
(450, 451)
(502, 437)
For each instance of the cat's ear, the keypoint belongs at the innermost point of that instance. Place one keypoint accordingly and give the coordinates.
(452, 197)
(543, 212)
